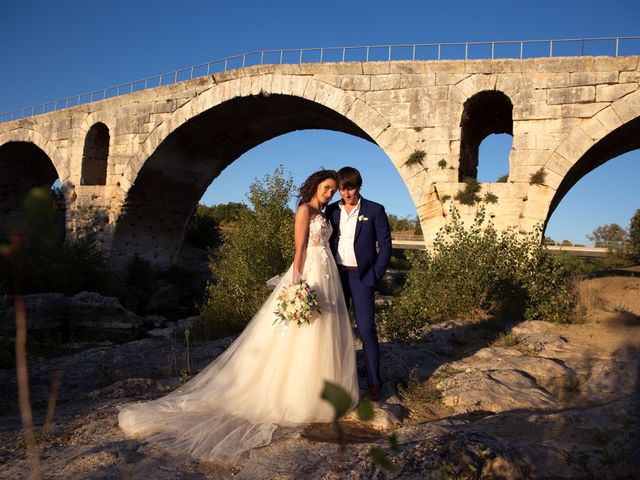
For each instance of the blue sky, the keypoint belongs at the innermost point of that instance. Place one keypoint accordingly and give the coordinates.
(51, 50)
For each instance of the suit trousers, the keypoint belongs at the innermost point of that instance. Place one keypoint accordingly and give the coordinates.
(362, 299)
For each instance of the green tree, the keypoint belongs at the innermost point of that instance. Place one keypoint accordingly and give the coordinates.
(634, 237)
(616, 240)
(401, 223)
(259, 248)
(202, 229)
(225, 213)
(610, 235)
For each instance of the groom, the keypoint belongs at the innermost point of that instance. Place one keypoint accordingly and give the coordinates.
(358, 224)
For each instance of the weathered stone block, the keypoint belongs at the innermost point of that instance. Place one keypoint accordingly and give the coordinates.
(450, 78)
(628, 108)
(329, 96)
(376, 68)
(594, 128)
(592, 78)
(417, 81)
(610, 93)
(334, 80)
(385, 82)
(615, 63)
(367, 119)
(630, 77)
(407, 67)
(581, 110)
(609, 118)
(535, 111)
(356, 82)
(565, 64)
(558, 96)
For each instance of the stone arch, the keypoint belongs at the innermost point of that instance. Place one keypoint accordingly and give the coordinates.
(619, 141)
(34, 137)
(346, 104)
(485, 113)
(25, 166)
(613, 131)
(207, 135)
(95, 155)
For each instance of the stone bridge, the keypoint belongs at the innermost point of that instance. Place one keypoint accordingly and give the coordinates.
(142, 161)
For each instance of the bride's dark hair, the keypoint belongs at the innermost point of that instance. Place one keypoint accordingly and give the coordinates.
(310, 186)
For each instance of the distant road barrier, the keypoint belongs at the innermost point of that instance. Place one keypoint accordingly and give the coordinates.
(508, 49)
(416, 242)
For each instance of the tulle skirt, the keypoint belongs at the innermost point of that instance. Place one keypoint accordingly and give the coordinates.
(272, 375)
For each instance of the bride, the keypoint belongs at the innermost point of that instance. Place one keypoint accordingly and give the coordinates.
(273, 374)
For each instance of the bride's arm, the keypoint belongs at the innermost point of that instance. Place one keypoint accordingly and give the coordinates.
(301, 236)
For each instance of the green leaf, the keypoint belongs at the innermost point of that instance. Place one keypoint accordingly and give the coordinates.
(365, 410)
(380, 458)
(337, 397)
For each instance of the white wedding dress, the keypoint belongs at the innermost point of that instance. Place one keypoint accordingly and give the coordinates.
(271, 375)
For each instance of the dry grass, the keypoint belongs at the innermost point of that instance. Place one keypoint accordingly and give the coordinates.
(589, 298)
(423, 399)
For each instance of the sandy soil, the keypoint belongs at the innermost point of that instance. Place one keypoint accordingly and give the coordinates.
(611, 310)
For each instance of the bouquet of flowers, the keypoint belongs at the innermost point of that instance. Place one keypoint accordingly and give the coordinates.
(296, 303)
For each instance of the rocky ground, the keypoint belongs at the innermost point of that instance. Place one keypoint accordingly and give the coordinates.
(536, 400)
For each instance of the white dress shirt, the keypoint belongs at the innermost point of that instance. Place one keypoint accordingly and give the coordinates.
(346, 254)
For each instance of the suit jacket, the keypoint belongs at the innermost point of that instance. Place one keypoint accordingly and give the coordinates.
(372, 227)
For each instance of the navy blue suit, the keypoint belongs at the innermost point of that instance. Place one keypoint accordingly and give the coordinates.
(372, 229)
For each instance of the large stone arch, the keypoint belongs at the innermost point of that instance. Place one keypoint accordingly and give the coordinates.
(206, 135)
(27, 162)
(621, 140)
(614, 131)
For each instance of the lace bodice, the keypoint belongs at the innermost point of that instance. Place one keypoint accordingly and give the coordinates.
(319, 231)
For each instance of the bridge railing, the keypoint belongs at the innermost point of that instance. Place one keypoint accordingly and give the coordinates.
(518, 49)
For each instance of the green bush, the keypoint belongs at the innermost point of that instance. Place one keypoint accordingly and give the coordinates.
(478, 270)
(260, 247)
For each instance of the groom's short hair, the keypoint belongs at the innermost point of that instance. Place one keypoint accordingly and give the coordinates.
(349, 177)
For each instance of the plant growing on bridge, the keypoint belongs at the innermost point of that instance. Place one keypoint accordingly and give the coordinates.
(538, 177)
(259, 248)
(416, 159)
(469, 195)
(477, 270)
(442, 164)
(503, 179)
(490, 198)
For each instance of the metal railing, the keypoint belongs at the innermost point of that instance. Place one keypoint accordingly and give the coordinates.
(514, 49)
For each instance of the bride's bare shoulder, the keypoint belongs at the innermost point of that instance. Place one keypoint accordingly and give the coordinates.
(304, 213)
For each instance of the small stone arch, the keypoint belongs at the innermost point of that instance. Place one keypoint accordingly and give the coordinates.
(95, 155)
(483, 114)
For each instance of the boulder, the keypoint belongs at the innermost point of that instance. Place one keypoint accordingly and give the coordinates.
(85, 309)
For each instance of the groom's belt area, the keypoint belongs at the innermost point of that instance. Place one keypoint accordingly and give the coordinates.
(346, 267)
